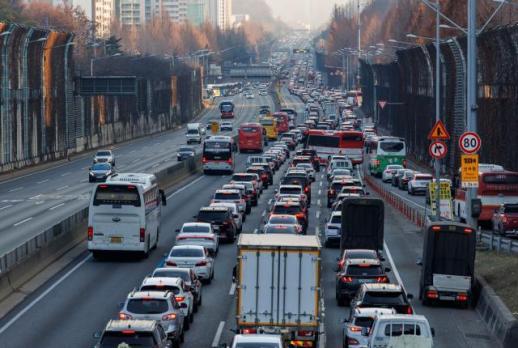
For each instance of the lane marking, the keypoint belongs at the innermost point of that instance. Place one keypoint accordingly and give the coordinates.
(321, 183)
(155, 165)
(133, 151)
(217, 337)
(232, 289)
(6, 206)
(317, 214)
(65, 174)
(62, 188)
(185, 187)
(319, 203)
(319, 192)
(42, 181)
(16, 189)
(83, 181)
(45, 293)
(39, 202)
(57, 206)
(22, 222)
(317, 231)
(263, 214)
(34, 197)
(394, 268)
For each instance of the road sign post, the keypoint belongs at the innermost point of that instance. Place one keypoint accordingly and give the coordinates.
(438, 150)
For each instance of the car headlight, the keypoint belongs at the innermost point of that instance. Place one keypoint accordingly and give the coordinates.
(92, 174)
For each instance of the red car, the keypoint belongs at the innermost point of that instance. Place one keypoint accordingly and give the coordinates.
(505, 220)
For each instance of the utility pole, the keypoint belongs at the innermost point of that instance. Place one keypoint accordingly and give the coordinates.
(437, 162)
(359, 45)
(471, 119)
(343, 71)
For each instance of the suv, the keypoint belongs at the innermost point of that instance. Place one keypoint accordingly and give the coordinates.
(383, 296)
(405, 178)
(505, 220)
(355, 273)
(221, 220)
(292, 208)
(104, 156)
(230, 196)
(418, 183)
(262, 173)
(359, 320)
(312, 155)
(156, 305)
(138, 333)
(191, 281)
(333, 229)
(299, 178)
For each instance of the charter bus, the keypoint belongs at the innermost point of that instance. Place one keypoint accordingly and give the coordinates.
(496, 186)
(270, 125)
(218, 154)
(283, 122)
(385, 151)
(124, 214)
(334, 142)
(226, 107)
(251, 137)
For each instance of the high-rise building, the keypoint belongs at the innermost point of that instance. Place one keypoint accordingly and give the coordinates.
(197, 11)
(176, 10)
(136, 12)
(103, 13)
(224, 14)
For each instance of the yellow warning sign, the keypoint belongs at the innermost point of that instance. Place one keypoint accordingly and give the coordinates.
(214, 127)
(439, 132)
(469, 170)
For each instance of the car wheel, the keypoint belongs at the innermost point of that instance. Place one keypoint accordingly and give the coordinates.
(244, 217)
(329, 204)
(200, 301)
(174, 343)
(182, 336)
(191, 317)
(195, 307)
(157, 238)
(340, 300)
(186, 324)
(90, 180)
(146, 252)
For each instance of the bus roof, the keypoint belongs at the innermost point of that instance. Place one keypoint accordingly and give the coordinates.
(143, 179)
(389, 138)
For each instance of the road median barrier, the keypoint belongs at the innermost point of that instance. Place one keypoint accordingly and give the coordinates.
(31, 257)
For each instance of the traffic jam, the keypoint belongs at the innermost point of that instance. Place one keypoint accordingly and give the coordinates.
(278, 270)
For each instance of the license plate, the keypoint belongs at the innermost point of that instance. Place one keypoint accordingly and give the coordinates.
(116, 240)
(365, 280)
(447, 298)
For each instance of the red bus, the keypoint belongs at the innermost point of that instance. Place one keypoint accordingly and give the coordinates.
(334, 142)
(251, 137)
(283, 122)
(226, 107)
(495, 187)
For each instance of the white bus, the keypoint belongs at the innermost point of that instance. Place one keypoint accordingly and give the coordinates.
(124, 214)
(218, 154)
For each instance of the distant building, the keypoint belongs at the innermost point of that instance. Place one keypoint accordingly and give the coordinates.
(135, 12)
(176, 10)
(197, 11)
(103, 13)
(239, 19)
(224, 21)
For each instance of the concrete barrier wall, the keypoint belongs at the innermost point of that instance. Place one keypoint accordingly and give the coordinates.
(25, 261)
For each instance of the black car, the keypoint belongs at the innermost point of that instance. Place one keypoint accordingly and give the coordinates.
(184, 153)
(355, 273)
(221, 220)
(100, 172)
(383, 296)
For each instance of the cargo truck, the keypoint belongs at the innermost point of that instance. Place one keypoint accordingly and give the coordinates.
(448, 262)
(362, 224)
(278, 287)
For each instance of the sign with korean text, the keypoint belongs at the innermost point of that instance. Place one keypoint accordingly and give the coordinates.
(469, 171)
(444, 196)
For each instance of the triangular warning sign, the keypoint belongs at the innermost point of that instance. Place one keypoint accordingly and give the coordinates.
(439, 132)
(382, 104)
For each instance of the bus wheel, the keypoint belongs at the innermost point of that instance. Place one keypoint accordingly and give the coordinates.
(157, 238)
(146, 252)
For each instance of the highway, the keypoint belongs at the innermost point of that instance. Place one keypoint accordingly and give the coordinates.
(78, 301)
(33, 202)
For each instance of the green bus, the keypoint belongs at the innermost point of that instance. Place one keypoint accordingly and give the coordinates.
(388, 150)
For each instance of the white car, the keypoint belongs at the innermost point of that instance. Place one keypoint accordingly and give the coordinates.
(236, 214)
(387, 173)
(104, 156)
(198, 233)
(177, 286)
(226, 126)
(230, 196)
(333, 229)
(308, 168)
(256, 340)
(284, 219)
(192, 256)
(419, 183)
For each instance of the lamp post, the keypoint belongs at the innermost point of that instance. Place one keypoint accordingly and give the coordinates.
(4, 124)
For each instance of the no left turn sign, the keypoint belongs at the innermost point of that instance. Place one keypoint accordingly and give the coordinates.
(470, 142)
(437, 149)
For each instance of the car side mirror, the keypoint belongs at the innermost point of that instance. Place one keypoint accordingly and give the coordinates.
(96, 335)
(177, 230)
(365, 331)
(90, 168)
(419, 262)
(163, 196)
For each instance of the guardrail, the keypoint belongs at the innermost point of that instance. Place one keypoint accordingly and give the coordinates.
(496, 242)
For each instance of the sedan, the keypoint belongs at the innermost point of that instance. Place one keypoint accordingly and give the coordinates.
(281, 229)
(226, 126)
(100, 172)
(184, 153)
(192, 256)
(198, 233)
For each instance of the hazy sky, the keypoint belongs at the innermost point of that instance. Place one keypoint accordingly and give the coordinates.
(316, 12)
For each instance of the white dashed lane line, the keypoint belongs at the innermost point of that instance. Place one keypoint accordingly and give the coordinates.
(23, 221)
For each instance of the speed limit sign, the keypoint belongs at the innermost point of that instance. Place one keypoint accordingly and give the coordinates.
(469, 142)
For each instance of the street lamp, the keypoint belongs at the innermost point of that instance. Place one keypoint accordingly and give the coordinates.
(402, 42)
(4, 33)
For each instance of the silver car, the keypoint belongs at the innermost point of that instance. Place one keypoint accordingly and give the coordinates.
(192, 256)
(361, 318)
(103, 156)
(159, 306)
(198, 233)
(191, 281)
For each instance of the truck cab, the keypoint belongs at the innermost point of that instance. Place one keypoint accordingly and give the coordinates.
(448, 262)
(194, 133)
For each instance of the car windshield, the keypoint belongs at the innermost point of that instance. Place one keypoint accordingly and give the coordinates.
(226, 196)
(159, 287)
(257, 345)
(185, 149)
(389, 146)
(286, 209)
(394, 167)
(103, 153)
(290, 190)
(384, 297)
(128, 338)
(243, 177)
(195, 229)
(147, 306)
(208, 215)
(336, 219)
(102, 166)
(363, 321)
(280, 229)
(423, 177)
(172, 273)
(509, 209)
(361, 254)
(354, 270)
(184, 252)
(192, 131)
(289, 219)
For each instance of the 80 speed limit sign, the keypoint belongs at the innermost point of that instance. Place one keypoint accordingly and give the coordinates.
(469, 142)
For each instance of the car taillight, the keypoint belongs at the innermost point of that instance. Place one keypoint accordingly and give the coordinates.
(299, 215)
(331, 192)
(409, 310)
(142, 235)
(124, 316)
(204, 160)
(404, 163)
(90, 232)
(249, 331)
(352, 341)
(306, 189)
(346, 279)
(171, 263)
(462, 297)
(341, 264)
(202, 263)
(383, 279)
(180, 298)
(504, 218)
(433, 294)
(304, 333)
(229, 161)
(170, 316)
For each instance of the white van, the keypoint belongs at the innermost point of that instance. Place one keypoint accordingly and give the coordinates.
(194, 133)
(400, 331)
(124, 214)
